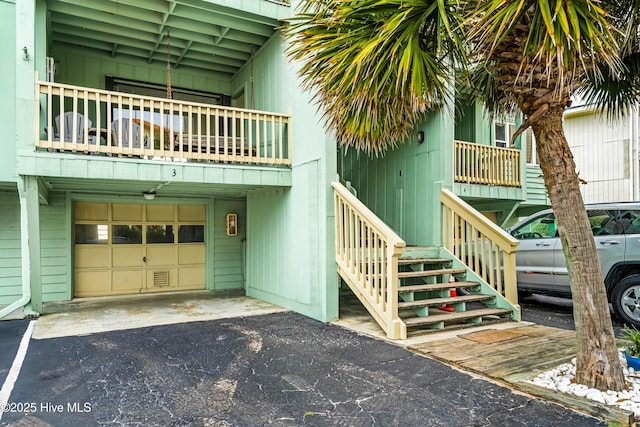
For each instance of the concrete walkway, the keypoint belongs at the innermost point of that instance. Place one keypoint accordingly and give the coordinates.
(93, 315)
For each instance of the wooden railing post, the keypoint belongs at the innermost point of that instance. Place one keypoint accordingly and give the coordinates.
(397, 329)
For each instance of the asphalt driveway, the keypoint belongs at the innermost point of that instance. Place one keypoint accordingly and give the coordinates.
(279, 369)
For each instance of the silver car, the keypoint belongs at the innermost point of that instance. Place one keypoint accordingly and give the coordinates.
(541, 266)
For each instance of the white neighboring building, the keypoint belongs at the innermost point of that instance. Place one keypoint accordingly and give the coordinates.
(605, 152)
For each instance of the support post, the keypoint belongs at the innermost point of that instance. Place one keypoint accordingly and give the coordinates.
(30, 239)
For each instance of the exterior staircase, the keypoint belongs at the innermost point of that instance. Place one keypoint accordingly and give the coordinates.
(405, 288)
(433, 294)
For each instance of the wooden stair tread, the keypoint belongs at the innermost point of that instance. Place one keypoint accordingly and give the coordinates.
(427, 273)
(446, 300)
(404, 261)
(437, 286)
(447, 317)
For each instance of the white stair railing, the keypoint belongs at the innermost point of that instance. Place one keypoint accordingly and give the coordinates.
(367, 252)
(488, 250)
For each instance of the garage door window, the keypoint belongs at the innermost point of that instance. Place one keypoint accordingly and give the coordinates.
(159, 233)
(91, 234)
(126, 234)
(191, 234)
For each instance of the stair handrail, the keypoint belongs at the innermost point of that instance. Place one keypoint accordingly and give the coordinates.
(482, 245)
(367, 252)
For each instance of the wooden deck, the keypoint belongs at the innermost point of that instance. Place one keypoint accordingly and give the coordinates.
(515, 355)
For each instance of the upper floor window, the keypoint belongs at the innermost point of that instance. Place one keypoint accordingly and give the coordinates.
(502, 132)
(529, 140)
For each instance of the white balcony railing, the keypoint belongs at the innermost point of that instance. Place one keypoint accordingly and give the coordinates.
(84, 120)
(483, 164)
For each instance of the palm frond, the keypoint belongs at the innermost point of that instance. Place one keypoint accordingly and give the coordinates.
(376, 67)
(552, 42)
(613, 94)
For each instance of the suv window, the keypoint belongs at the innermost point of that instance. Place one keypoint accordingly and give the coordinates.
(605, 222)
(630, 221)
(543, 227)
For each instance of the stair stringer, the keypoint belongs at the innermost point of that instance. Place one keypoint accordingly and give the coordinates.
(500, 300)
(393, 327)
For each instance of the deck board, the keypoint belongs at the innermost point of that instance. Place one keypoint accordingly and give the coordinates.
(519, 359)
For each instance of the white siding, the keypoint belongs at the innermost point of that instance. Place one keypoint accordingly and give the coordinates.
(601, 149)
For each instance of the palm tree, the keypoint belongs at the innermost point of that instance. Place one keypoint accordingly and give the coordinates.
(377, 67)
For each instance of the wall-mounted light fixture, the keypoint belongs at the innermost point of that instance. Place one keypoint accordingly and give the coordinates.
(232, 224)
(420, 136)
(149, 195)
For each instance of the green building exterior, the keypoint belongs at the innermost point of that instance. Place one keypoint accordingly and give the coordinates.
(154, 146)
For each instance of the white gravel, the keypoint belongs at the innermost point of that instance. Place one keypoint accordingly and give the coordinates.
(561, 379)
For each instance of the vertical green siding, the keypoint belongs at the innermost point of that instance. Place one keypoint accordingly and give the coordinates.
(10, 254)
(228, 251)
(55, 249)
(403, 187)
(8, 91)
(473, 124)
(266, 69)
(268, 241)
(465, 129)
(290, 250)
(86, 68)
(285, 247)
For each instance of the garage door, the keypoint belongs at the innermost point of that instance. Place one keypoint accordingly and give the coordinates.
(135, 248)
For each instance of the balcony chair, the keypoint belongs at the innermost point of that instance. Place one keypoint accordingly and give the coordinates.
(136, 133)
(81, 123)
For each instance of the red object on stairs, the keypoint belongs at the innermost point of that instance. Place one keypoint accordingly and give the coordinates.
(452, 293)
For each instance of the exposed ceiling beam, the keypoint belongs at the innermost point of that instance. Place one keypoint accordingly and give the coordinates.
(101, 7)
(195, 15)
(213, 69)
(184, 52)
(214, 35)
(196, 51)
(256, 18)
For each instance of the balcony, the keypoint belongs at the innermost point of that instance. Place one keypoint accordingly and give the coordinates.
(88, 121)
(487, 165)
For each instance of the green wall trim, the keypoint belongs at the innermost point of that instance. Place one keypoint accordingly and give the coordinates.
(115, 198)
(487, 192)
(94, 167)
(69, 249)
(275, 10)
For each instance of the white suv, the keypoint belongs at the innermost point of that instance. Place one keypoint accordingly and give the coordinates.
(542, 268)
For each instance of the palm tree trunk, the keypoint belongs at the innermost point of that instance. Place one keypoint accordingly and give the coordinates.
(598, 364)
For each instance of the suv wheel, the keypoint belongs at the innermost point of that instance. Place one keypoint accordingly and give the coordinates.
(625, 299)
